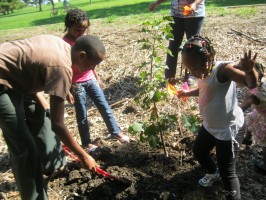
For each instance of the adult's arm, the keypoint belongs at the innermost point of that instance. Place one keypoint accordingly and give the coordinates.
(194, 5)
(155, 4)
(41, 99)
(58, 126)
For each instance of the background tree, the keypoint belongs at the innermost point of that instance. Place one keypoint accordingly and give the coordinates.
(8, 6)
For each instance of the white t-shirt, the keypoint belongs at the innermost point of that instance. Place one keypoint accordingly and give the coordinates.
(222, 117)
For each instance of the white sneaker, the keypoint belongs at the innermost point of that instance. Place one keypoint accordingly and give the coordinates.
(209, 179)
(191, 80)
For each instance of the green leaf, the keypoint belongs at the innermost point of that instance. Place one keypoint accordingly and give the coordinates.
(185, 120)
(157, 59)
(157, 96)
(150, 130)
(153, 141)
(146, 45)
(191, 123)
(135, 128)
(169, 52)
(143, 74)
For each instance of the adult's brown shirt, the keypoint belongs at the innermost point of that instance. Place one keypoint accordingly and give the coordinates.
(40, 63)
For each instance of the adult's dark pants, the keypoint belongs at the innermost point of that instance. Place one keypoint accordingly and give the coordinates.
(181, 26)
(226, 160)
(49, 146)
(23, 150)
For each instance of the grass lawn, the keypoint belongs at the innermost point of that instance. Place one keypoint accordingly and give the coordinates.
(109, 10)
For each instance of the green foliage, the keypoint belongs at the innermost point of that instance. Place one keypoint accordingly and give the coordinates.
(151, 92)
(8, 6)
(132, 12)
(191, 122)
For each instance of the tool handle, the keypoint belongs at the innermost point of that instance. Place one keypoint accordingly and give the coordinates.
(98, 169)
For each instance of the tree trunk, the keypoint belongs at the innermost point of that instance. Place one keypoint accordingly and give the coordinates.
(52, 2)
(40, 5)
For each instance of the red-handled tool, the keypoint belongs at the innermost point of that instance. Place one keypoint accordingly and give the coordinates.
(98, 169)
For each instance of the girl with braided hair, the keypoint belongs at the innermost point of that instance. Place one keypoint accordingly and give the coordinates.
(222, 117)
(87, 84)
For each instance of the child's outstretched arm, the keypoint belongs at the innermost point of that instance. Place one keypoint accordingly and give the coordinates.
(244, 73)
(184, 93)
(251, 99)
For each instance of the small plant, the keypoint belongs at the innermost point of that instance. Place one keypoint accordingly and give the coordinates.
(152, 92)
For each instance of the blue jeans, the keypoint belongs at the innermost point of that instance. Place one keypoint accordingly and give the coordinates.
(190, 26)
(80, 92)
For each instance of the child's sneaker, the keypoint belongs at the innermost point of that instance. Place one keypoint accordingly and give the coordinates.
(209, 179)
(191, 80)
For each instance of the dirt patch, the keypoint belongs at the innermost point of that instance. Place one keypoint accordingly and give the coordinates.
(152, 175)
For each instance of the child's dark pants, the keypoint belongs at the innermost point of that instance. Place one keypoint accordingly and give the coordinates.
(226, 160)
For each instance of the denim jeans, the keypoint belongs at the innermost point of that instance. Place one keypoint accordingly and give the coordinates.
(80, 92)
(190, 26)
(226, 161)
(25, 161)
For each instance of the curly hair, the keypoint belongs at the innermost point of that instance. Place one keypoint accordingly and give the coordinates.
(75, 16)
(201, 47)
(91, 44)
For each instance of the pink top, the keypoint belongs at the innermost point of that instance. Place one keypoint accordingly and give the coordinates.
(260, 92)
(79, 76)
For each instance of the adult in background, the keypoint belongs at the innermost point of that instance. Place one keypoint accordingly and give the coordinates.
(189, 24)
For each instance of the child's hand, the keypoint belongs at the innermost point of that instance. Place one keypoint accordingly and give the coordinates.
(100, 82)
(247, 63)
(70, 98)
(182, 93)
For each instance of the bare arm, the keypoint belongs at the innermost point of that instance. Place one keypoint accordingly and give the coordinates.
(41, 99)
(99, 80)
(191, 93)
(251, 99)
(194, 5)
(155, 4)
(244, 73)
(58, 126)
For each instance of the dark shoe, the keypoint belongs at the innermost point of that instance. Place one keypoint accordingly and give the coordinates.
(259, 165)
(172, 81)
(246, 141)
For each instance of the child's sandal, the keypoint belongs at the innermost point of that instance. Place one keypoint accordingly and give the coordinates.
(122, 138)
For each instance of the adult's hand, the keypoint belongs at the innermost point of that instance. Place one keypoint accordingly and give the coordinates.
(193, 8)
(70, 98)
(87, 162)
